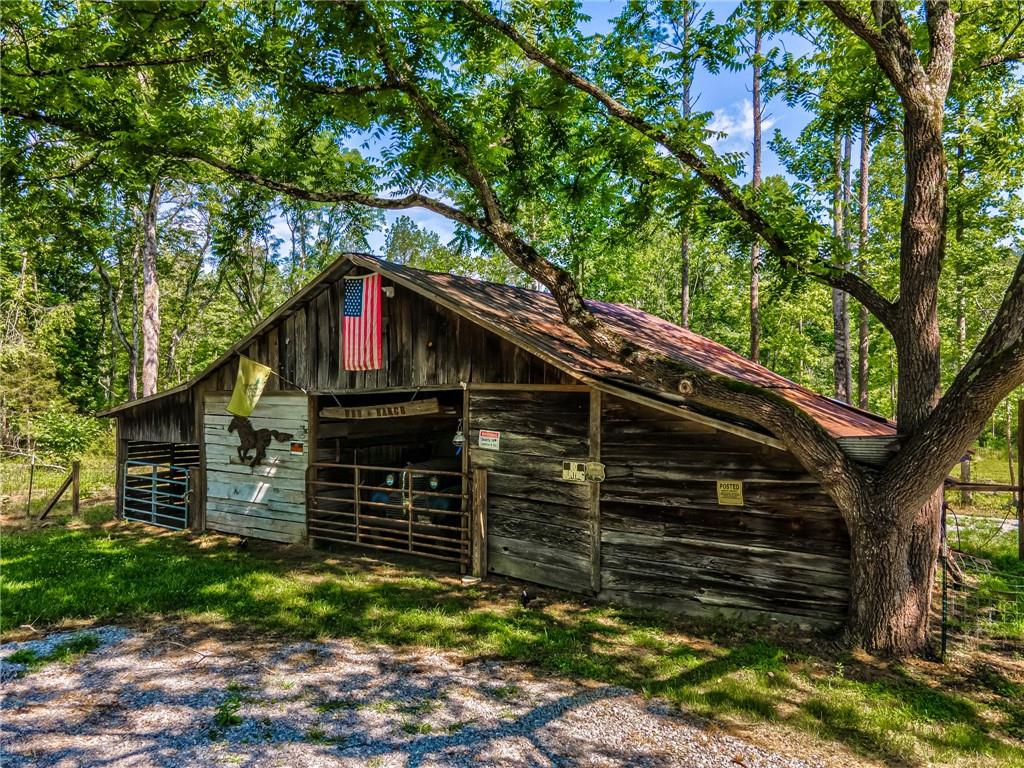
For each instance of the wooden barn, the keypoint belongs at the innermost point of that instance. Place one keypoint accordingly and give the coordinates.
(490, 438)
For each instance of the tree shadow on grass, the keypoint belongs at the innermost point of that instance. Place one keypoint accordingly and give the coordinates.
(129, 574)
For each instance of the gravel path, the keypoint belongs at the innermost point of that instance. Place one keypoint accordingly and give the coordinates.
(188, 696)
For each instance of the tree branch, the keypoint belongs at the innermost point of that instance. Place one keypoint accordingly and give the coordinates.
(995, 368)
(829, 273)
(1001, 58)
(124, 64)
(350, 90)
(412, 200)
(863, 29)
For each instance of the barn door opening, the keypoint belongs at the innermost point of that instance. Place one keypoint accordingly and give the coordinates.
(390, 475)
(156, 486)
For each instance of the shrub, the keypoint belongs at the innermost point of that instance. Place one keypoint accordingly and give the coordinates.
(65, 434)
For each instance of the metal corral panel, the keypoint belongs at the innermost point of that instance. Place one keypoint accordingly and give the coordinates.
(256, 467)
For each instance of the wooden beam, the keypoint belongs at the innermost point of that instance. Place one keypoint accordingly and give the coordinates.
(595, 492)
(680, 413)
(384, 410)
(479, 523)
(529, 387)
(56, 497)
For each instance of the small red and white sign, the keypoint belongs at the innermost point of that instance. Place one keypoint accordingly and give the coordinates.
(296, 448)
(490, 439)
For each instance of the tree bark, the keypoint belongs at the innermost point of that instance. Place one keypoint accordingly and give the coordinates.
(863, 321)
(755, 183)
(891, 574)
(840, 301)
(684, 244)
(150, 295)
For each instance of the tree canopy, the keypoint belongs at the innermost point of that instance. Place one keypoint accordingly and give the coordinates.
(565, 159)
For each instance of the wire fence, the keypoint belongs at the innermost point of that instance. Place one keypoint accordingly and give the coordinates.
(982, 597)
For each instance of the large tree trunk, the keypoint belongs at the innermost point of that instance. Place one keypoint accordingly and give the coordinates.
(755, 183)
(894, 549)
(891, 574)
(150, 295)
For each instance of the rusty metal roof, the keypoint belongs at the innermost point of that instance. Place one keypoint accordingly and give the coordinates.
(532, 318)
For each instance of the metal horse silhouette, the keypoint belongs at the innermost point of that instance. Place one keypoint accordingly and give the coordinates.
(257, 440)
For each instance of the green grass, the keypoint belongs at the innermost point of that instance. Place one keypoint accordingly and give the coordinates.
(915, 714)
(96, 482)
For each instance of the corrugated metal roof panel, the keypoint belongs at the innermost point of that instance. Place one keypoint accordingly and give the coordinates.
(533, 318)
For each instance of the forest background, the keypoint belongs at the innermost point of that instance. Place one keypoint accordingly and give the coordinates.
(89, 242)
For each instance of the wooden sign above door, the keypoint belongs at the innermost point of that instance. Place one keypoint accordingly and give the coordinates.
(385, 411)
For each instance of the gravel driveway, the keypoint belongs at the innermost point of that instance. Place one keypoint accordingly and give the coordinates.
(190, 696)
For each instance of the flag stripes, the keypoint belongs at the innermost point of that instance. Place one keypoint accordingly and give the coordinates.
(361, 346)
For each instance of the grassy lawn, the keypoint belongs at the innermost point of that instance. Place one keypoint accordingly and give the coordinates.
(785, 690)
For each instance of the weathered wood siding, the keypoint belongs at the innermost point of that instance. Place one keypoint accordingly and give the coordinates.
(170, 419)
(666, 542)
(538, 525)
(267, 501)
(424, 345)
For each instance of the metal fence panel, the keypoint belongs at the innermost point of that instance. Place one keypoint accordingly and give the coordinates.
(157, 494)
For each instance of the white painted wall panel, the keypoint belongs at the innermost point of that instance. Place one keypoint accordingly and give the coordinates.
(267, 501)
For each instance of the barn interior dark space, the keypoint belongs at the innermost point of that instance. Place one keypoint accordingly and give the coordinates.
(389, 473)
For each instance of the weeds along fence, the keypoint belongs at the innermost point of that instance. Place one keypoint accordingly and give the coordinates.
(980, 588)
(29, 485)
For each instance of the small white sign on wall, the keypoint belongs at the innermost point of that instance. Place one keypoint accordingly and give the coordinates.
(574, 471)
(489, 439)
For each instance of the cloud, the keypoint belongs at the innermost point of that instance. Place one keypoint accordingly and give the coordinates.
(737, 123)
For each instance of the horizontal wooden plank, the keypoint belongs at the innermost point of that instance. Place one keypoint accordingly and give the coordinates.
(640, 473)
(239, 528)
(726, 522)
(808, 560)
(571, 539)
(541, 425)
(254, 491)
(538, 572)
(281, 451)
(542, 467)
(282, 509)
(546, 490)
(691, 607)
(753, 573)
(529, 550)
(270, 468)
(523, 508)
(281, 520)
(536, 445)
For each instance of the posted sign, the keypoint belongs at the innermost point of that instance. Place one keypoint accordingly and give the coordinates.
(489, 439)
(730, 492)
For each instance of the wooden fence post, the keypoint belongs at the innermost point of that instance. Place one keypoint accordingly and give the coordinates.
(479, 524)
(76, 472)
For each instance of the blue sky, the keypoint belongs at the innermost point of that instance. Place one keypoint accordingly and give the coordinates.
(727, 95)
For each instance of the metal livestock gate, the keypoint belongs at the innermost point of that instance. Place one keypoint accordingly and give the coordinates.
(156, 484)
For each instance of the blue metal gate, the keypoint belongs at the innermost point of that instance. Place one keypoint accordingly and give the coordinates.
(156, 493)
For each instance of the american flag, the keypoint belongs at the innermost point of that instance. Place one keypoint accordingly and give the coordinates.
(360, 340)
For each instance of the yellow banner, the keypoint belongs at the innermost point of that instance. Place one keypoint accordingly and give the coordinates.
(252, 378)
